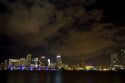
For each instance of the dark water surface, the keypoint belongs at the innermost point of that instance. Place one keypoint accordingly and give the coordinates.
(61, 77)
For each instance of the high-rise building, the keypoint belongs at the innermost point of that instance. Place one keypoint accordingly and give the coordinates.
(14, 63)
(22, 62)
(35, 60)
(42, 61)
(59, 61)
(49, 63)
(118, 59)
(123, 57)
(114, 59)
(28, 60)
(5, 64)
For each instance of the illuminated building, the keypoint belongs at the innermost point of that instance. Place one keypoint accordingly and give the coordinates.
(114, 60)
(28, 60)
(14, 63)
(5, 64)
(49, 63)
(123, 57)
(118, 60)
(22, 62)
(35, 61)
(53, 65)
(59, 61)
(43, 61)
(89, 67)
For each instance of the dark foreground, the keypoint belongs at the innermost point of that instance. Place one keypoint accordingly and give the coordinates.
(61, 77)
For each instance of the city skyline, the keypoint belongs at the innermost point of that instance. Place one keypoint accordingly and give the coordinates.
(117, 62)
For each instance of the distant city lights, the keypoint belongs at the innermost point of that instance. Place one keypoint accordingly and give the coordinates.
(44, 63)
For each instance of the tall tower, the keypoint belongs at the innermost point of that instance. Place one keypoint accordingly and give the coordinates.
(49, 63)
(36, 62)
(28, 60)
(114, 60)
(5, 64)
(59, 61)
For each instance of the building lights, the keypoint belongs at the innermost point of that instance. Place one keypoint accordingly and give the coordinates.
(89, 67)
(48, 62)
(44, 63)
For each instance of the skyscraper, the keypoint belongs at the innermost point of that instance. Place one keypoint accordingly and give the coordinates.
(59, 61)
(28, 60)
(118, 59)
(22, 62)
(49, 63)
(35, 60)
(123, 57)
(43, 61)
(5, 64)
(114, 59)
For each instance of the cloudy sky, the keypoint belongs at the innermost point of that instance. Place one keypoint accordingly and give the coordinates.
(76, 29)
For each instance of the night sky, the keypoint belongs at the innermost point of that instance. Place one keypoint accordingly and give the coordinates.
(78, 30)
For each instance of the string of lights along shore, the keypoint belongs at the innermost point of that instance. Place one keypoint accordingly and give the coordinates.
(117, 60)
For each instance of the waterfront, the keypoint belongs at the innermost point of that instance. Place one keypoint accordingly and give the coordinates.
(62, 77)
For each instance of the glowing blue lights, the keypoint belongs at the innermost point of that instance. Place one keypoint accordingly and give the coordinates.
(22, 68)
(11, 68)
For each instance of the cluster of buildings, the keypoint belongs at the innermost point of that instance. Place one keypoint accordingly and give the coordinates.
(30, 63)
(43, 63)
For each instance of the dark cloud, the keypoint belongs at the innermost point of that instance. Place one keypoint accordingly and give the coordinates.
(39, 23)
(81, 43)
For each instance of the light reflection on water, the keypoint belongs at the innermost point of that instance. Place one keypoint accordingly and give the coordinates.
(60, 77)
(55, 78)
(35, 78)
